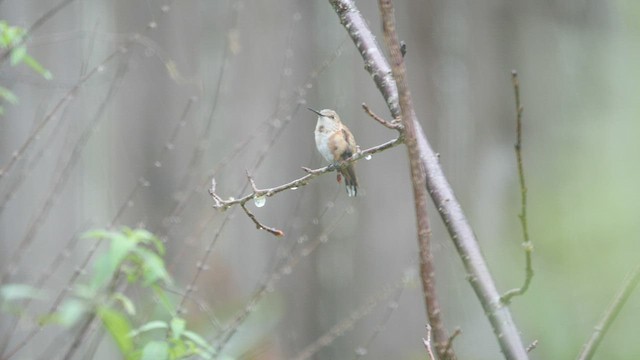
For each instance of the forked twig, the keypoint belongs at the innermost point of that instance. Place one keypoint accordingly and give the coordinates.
(453, 336)
(222, 204)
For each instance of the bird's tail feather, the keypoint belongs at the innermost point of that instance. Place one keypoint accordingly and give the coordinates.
(350, 180)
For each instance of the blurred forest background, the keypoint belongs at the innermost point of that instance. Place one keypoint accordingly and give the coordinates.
(151, 99)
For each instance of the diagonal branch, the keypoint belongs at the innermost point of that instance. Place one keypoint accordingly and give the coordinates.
(441, 192)
(610, 315)
(419, 182)
(220, 203)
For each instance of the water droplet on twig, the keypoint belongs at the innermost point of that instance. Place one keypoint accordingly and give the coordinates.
(259, 201)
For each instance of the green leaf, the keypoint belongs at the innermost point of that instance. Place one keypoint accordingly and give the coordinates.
(179, 349)
(127, 304)
(198, 340)
(151, 325)
(8, 95)
(98, 234)
(155, 350)
(17, 54)
(35, 65)
(119, 327)
(178, 326)
(107, 265)
(153, 267)
(146, 237)
(13, 292)
(70, 312)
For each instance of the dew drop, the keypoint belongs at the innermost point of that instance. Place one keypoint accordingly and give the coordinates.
(368, 157)
(294, 188)
(259, 201)
(157, 164)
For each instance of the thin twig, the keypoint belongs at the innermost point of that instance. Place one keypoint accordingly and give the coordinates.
(341, 327)
(219, 203)
(69, 96)
(394, 125)
(527, 245)
(391, 308)
(265, 124)
(282, 268)
(610, 315)
(532, 346)
(427, 343)
(61, 179)
(453, 336)
(39, 22)
(261, 226)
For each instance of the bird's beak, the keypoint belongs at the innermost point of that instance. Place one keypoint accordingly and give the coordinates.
(315, 111)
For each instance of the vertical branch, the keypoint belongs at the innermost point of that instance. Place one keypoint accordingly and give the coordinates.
(527, 245)
(419, 181)
(450, 210)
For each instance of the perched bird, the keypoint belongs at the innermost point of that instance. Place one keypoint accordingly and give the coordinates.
(336, 144)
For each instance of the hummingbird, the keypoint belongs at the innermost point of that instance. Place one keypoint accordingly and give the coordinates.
(336, 144)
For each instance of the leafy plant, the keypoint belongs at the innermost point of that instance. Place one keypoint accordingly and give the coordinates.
(12, 43)
(134, 255)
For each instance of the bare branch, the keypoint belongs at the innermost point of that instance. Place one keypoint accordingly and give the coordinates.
(453, 336)
(532, 346)
(394, 125)
(478, 275)
(69, 96)
(527, 245)
(419, 181)
(610, 315)
(348, 323)
(39, 22)
(427, 343)
(259, 225)
(219, 203)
